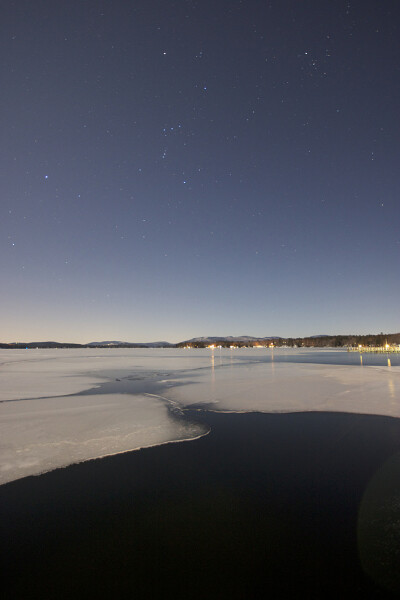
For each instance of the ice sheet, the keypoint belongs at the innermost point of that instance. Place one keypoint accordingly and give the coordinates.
(46, 422)
(34, 373)
(59, 407)
(291, 387)
(41, 435)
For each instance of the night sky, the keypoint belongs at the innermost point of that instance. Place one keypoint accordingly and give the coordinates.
(188, 168)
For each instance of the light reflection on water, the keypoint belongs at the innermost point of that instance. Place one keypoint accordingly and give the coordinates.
(328, 357)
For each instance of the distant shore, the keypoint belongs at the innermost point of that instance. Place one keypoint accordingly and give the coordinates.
(315, 341)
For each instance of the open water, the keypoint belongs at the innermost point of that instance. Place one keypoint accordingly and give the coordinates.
(266, 505)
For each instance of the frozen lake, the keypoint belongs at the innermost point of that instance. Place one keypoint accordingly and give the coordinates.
(59, 407)
(296, 495)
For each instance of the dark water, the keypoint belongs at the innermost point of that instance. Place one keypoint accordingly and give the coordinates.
(264, 506)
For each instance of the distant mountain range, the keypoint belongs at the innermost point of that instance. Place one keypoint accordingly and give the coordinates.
(245, 339)
(131, 344)
(320, 340)
(114, 344)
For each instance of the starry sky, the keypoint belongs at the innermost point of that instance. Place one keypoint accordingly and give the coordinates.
(172, 169)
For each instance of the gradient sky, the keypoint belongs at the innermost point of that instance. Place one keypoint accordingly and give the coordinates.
(211, 167)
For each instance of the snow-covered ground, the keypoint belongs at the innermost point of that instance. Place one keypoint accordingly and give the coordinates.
(59, 407)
